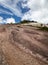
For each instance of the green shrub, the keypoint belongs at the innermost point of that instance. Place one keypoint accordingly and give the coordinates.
(43, 28)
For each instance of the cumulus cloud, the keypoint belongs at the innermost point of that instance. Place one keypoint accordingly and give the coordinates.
(38, 11)
(8, 20)
(1, 19)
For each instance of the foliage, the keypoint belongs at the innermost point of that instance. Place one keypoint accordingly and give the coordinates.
(26, 21)
(41, 25)
(43, 28)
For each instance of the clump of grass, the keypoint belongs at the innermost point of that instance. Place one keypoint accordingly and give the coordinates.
(43, 28)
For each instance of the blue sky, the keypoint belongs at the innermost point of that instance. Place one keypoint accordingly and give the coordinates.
(17, 10)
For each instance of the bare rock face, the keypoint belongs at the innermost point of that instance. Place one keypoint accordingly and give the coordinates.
(3, 60)
(23, 45)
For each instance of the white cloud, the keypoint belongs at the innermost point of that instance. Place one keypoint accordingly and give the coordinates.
(5, 12)
(38, 11)
(8, 20)
(12, 5)
(1, 19)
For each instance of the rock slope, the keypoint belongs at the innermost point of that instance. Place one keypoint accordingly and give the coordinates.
(23, 45)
